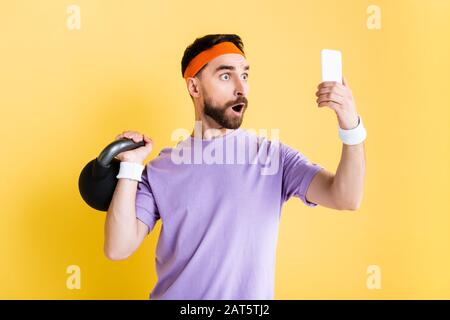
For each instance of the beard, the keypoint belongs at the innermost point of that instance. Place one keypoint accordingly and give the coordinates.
(225, 116)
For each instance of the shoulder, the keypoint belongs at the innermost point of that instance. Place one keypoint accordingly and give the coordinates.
(161, 159)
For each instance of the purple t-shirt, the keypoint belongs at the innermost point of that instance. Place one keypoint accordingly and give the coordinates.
(219, 202)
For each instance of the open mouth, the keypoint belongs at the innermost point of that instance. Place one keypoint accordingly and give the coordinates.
(238, 108)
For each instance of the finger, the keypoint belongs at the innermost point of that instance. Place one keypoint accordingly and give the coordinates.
(336, 90)
(120, 136)
(137, 137)
(335, 99)
(330, 97)
(345, 82)
(326, 84)
(126, 134)
(130, 134)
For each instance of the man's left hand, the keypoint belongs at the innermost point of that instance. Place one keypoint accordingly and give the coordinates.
(339, 98)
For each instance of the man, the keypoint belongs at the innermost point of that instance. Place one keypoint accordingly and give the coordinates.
(220, 216)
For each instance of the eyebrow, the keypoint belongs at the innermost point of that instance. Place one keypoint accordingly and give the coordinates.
(226, 67)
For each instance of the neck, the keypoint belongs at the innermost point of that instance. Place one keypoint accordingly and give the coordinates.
(208, 128)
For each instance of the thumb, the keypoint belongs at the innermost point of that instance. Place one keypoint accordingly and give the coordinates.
(344, 81)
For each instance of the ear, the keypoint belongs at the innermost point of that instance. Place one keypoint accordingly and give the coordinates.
(193, 87)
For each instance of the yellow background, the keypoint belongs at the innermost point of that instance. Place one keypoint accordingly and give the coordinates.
(66, 94)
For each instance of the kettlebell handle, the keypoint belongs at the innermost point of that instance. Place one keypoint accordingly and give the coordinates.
(116, 147)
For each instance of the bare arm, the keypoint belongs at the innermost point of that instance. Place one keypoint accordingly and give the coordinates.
(123, 231)
(348, 183)
(343, 190)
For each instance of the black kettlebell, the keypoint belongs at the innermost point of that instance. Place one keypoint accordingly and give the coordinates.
(98, 180)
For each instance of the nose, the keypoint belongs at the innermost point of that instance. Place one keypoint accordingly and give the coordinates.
(241, 88)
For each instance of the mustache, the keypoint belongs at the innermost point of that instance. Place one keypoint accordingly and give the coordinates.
(240, 100)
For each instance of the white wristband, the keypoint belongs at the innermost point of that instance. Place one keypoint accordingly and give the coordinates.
(355, 135)
(130, 170)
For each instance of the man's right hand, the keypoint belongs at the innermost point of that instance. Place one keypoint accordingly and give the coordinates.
(136, 155)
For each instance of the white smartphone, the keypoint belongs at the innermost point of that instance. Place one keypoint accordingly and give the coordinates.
(331, 61)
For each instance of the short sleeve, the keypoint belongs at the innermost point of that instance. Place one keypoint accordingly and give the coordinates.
(298, 173)
(146, 209)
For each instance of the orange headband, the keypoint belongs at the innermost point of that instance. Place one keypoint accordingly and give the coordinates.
(206, 56)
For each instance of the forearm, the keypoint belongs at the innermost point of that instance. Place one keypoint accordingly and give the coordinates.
(348, 182)
(121, 222)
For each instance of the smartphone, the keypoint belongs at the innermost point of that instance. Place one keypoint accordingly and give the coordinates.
(331, 61)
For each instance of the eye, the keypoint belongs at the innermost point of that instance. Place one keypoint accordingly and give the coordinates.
(224, 74)
(245, 76)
